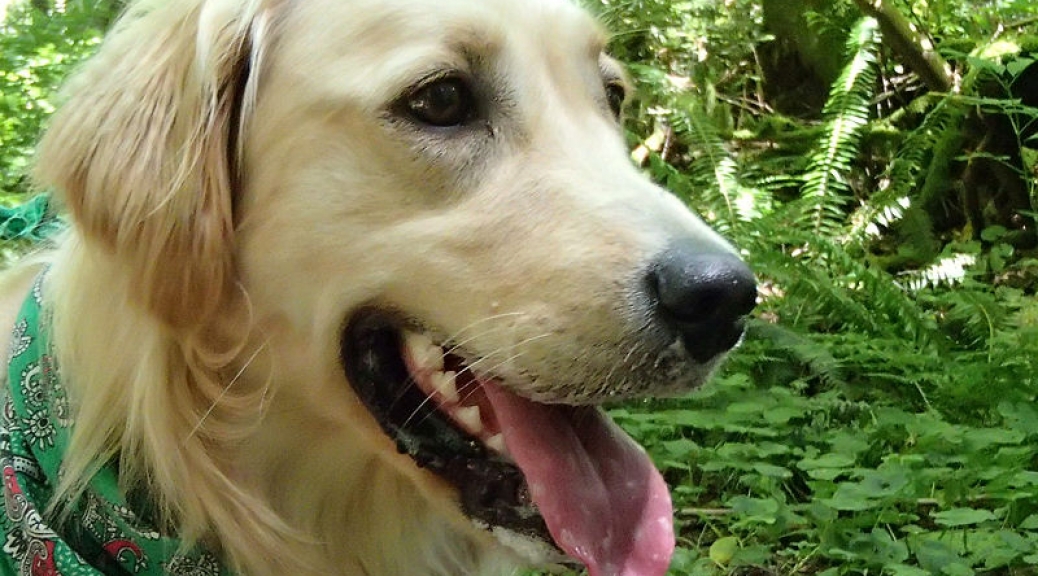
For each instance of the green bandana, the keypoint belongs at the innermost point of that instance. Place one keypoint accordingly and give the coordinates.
(105, 536)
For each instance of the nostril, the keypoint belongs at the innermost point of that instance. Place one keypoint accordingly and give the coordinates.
(691, 300)
(704, 297)
(695, 288)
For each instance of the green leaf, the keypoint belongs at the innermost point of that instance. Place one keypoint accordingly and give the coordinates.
(760, 509)
(723, 550)
(1018, 65)
(957, 517)
(905, 570)
(1021, 416)
(680, 448)
(1024, 479)
(957, 570)
(934, 555)
(993, 233)
(771, 470)
(828, 460)
(850, 497)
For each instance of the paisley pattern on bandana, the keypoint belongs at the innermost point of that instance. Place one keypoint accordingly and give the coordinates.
(105, 535)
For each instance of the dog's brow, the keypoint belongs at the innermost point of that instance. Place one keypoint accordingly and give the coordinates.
(475, 39)
(599, 38)
(611, 69)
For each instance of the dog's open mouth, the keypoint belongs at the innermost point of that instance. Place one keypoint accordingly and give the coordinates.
(563, 475)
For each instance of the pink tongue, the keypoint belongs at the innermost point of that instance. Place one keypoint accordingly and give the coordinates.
(603, 500)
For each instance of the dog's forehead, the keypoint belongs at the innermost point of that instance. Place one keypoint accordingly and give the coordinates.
(491, 22)
(392, 40)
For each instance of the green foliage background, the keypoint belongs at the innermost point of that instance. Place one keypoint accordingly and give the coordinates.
(880, 417)
(38, 48)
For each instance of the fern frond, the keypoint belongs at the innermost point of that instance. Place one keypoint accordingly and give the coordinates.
(817, 358)
(977, 316)
(838, 291)
(846, 113)
(947, 270)
(901, 179)
(714, 169)
(914, 179)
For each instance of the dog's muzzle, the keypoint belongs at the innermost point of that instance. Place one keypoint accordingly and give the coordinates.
(546, 468)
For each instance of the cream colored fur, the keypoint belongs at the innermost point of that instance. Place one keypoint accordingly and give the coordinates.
(238, 186)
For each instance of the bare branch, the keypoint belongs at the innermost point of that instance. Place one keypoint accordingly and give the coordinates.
(914, 47)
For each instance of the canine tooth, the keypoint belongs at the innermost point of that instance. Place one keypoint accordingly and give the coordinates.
(434, 358)
(496, 443)
(425, 354)
(469, 418)
(444, 384)
(417, 344)
(418, 340)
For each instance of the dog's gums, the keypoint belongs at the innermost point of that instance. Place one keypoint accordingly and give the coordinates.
(561, 475)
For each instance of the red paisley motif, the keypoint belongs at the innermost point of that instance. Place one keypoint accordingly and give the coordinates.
(43, 560)
(117, 548)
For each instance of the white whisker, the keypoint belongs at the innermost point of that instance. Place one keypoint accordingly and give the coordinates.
(620, 362)
(470, 367)
(227, 389)
(458, 344)
(465, 391)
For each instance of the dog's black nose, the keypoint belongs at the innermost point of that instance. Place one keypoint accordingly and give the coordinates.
(704, 297)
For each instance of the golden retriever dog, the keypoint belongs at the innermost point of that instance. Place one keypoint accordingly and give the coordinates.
(346, 282)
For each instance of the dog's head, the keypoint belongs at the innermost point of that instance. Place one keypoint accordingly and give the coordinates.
(431, 201)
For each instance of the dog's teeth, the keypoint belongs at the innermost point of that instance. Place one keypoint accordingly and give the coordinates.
(434, 358)
(496, 443)
(424, 353)
(443, 383)
(469, 418)
(417, 341)
(419, 345)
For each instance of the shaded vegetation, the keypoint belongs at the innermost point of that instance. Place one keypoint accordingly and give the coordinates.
(39, 46)
(881, 416)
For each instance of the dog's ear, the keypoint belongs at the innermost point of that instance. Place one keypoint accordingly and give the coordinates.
(145, 150)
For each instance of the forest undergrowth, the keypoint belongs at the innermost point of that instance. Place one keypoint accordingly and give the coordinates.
(880, 417)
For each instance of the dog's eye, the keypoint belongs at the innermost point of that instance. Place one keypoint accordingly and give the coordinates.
(444, 102)
(616, 95)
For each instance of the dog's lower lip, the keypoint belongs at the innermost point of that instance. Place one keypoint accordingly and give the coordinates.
(706, 343)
